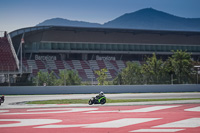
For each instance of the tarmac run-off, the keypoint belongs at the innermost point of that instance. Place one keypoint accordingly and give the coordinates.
(180, 118)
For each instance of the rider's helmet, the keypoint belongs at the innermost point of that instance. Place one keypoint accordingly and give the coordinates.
(101, 93)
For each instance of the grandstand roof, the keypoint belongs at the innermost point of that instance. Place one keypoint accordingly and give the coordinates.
(106, 35)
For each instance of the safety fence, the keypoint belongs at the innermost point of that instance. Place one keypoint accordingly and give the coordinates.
(28, 90)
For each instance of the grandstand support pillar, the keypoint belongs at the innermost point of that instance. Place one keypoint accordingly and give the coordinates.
(64, 78)
(92, 80)
(197, 78)
(37, 80)
(8, 79)
(197, 75)
(21, 57)
(197, 68)
(20, 49)
(121, 57)
(14, 78)
(84, 56)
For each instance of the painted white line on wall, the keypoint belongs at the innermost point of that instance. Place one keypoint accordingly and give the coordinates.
(192, 122)
(193, 109)
(27, 122)
(157, 130)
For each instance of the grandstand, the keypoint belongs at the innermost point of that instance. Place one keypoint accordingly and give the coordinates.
(84, 50)
(9, 63)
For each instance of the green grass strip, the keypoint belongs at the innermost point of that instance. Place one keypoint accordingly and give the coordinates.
(85, 101)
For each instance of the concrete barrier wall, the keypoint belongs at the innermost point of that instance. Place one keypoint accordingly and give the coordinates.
(26, 90)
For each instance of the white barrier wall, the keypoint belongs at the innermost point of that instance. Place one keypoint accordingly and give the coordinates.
(26, 90)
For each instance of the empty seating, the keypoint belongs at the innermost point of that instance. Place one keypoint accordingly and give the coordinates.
(113, 73)
(82, 74)
(32, 63)
(7, 60)
(101, 64)
(66, 65)
(51, 64)
(84, 64)
(89, 73)
(121, 64)
(86, 69)
(93, 64)
(69, 64)
(113, 62)
(59, 64)
(77, 64)
(40, 64)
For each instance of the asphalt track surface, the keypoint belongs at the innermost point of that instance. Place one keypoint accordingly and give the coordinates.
(11, 101)
(180, 118)
(148, 118)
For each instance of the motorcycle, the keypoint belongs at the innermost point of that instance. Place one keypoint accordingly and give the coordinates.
(97, 100)
(2, 99)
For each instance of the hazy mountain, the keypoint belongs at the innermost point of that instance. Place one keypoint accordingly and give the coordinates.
(147, 18)
(66, 22)
(152, 19)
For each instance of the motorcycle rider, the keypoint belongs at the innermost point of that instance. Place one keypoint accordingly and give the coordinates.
(2, 98)
(101, 94)
(99, 99)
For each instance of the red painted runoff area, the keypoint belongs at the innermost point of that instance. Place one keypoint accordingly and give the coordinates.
(180, 118)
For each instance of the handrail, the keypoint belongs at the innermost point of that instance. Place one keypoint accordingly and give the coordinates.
(12, 49)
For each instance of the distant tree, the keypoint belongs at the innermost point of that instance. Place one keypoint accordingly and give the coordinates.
(69, 77)
(132, 74)
(118, 79)
(178, 68)
(153, 69)
(181, 65)
(102, 76)
(169, 71)
(45, 78)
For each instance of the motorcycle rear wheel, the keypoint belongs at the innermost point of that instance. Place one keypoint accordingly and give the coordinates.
(90, 102)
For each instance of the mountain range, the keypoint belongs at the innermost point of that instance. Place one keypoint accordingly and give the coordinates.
(147, 19)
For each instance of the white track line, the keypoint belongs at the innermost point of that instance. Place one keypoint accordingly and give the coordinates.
(120, 123)
(157, 130)
(27, 122)
(197, 109)
(150, 109)
(147, 109)
(192, 122)
(109, 124)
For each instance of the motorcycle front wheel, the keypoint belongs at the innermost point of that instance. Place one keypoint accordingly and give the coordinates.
(103, 101)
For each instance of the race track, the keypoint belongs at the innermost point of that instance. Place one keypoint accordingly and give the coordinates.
(151, 117)
(180, 118)
(11, 100)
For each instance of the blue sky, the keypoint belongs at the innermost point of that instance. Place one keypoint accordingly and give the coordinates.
(15, 14)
